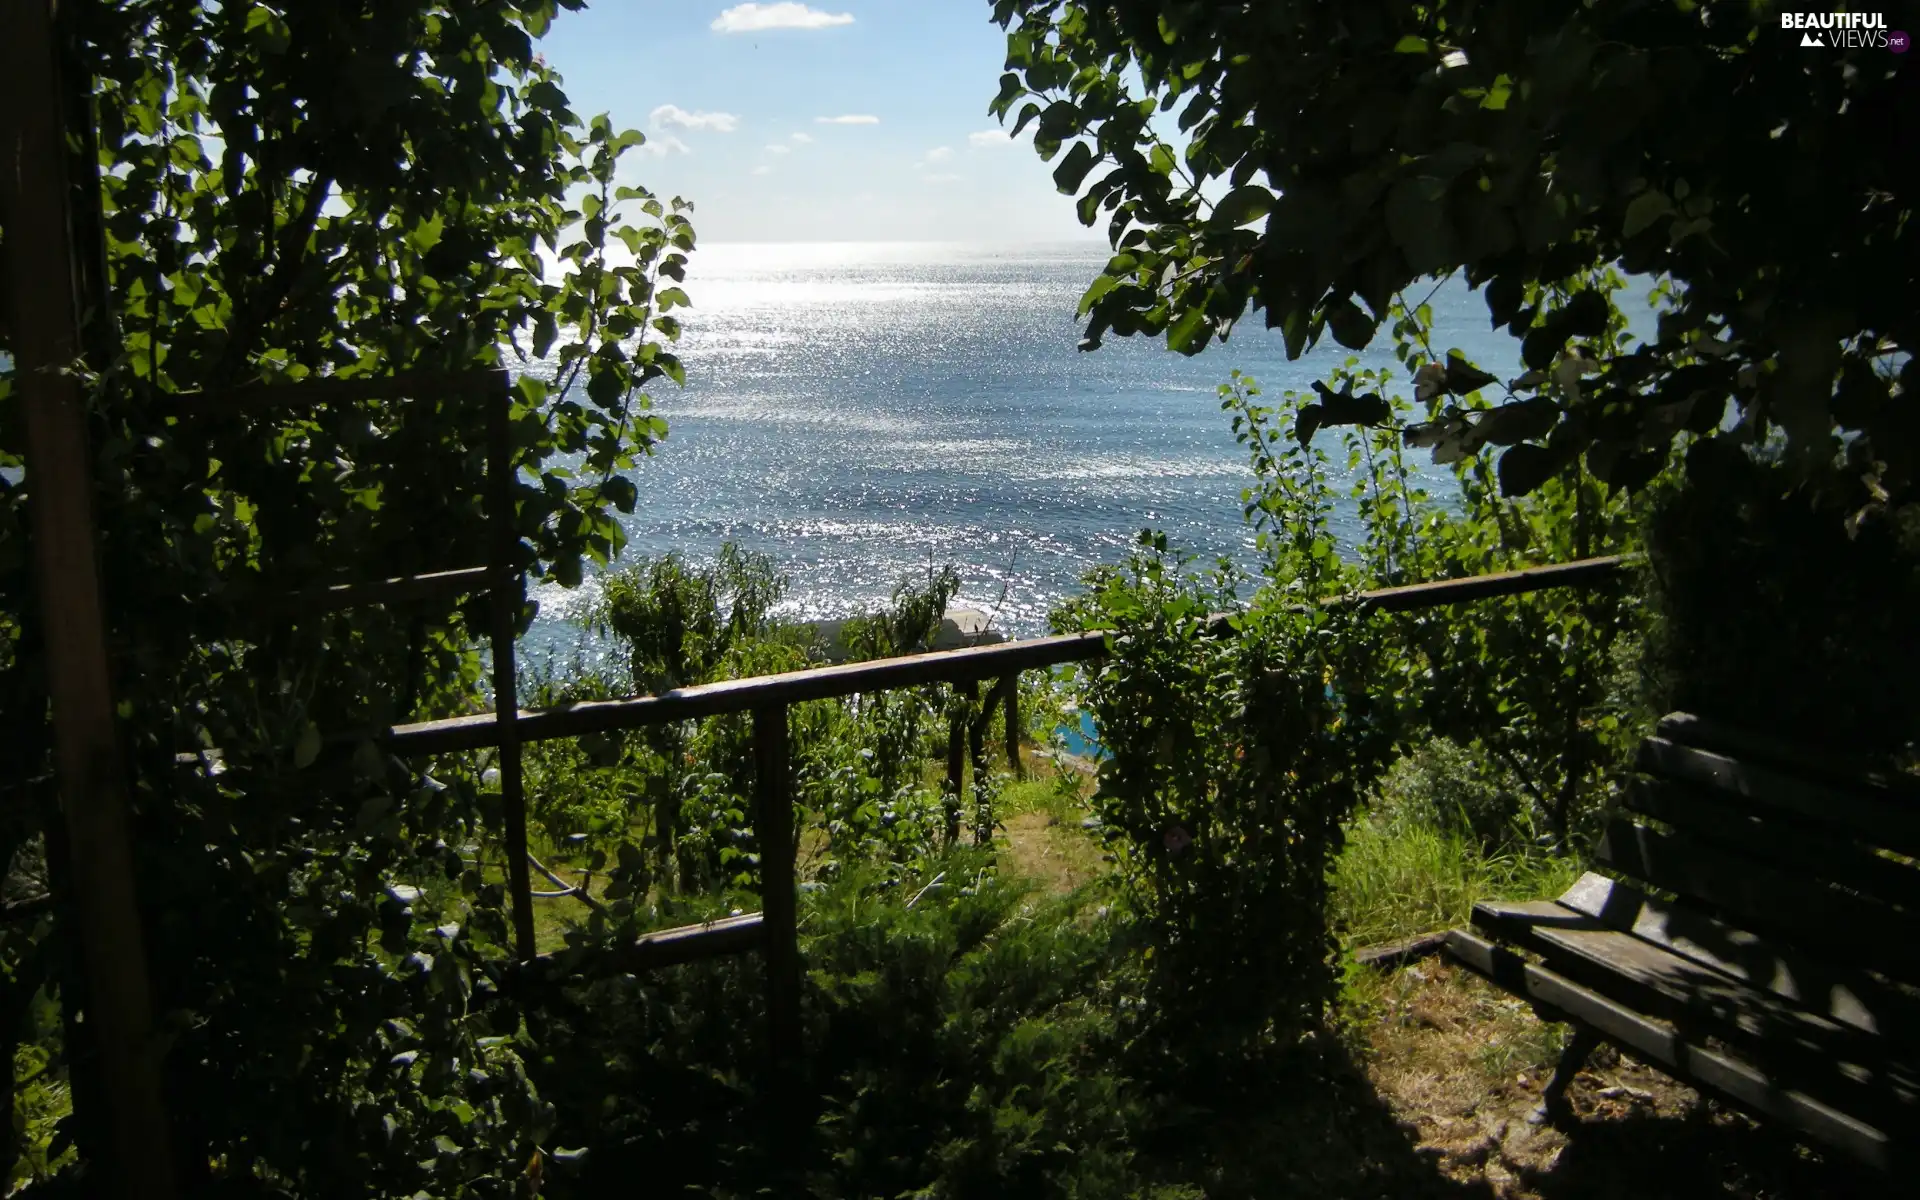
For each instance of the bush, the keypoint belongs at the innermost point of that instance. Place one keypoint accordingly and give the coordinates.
(1451, 790)
(960, 1044)
(1771, 614)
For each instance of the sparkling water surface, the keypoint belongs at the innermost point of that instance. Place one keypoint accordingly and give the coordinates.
(857, 411)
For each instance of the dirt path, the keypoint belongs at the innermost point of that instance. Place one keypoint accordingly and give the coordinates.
(1055, 856)
(1463, 1064)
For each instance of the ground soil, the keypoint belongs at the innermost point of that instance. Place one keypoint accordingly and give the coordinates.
(1433, 1090)
(1056, 857)
(1462, 1064)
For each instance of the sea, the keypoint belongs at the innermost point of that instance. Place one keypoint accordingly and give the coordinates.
(861, 411)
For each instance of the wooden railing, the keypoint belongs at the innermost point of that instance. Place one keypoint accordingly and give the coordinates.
(768, 698)
(500, 578)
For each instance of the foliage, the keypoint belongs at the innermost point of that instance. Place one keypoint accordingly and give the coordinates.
(1528, 682)
(908, 624)
(679, 623)
(1767, 616)
(350, 190)
(1238, 755)
(1223, 799)
(665, 812)
(957, 1046)
(1410, 866)
(1447, 788)
(1334, 155)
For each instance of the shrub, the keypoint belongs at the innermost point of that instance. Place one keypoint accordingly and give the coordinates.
(1772, 614)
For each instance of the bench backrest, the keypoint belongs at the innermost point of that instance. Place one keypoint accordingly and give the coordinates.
(1778, 839)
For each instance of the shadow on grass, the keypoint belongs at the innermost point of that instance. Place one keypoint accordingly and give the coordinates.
(1705, 1151)
(1314, 1126)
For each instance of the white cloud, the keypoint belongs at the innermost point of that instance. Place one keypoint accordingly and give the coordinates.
(751, 18)
(848, 119)
(989, 138)
(673, 116)
(763, 170)
(802, 138)
(939, 154)
(777, 148)
(662, 144)
(940, 178)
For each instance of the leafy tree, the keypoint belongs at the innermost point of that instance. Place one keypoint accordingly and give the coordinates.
(286, 192)
(1335, 153)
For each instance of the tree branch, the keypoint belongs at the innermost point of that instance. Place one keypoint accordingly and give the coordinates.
(262, 303)
(568, 889)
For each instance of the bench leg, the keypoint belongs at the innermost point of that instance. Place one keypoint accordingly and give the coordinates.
(1553, 1108)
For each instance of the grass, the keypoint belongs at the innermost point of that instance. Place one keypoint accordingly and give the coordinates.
(1399, 879)
(1040, 825)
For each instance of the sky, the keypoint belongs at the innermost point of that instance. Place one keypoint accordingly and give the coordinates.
(834, 122)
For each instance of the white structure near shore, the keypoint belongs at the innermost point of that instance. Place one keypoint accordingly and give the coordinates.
(962, 627)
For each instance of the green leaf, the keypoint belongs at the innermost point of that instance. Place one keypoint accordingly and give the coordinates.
(1587, 313)
(268, 30)
(1242, 206)
(426, 235)
(1542, 345)
(1411, 45)
(1510, 424)
(1646, 208)
(1189, 333)
(1340, 408)
(1463, 378)
(1524, 468)
(307, 748)
(1350, 326)
(368, 762)
(1073, 168)
(622, 492)
(1417, 222)
(1098, 288)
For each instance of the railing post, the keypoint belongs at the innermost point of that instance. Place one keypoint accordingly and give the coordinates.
(773, 826)
(505, 600)
(957, 757)
(1012, 686)
(44, 329)
(977, 756)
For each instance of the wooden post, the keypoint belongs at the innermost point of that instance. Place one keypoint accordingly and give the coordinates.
(506, 599)
(977, 758)
(36, 212)
(773, 826)
(957, 757)
(1013, 725)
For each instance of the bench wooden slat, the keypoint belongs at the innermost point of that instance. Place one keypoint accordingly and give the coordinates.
(1823, 921)
(1658, 1042)
(1844, 771)
(1850, 997)
(1792, 844)
(1881, 820)
(1556, 931)
(1840, 1064)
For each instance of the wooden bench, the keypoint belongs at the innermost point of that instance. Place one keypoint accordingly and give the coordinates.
(1762, 943)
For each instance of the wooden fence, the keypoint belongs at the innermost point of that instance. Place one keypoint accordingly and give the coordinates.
(38, 189)
(774, 931)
